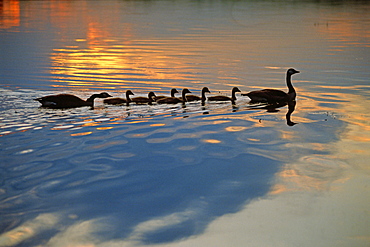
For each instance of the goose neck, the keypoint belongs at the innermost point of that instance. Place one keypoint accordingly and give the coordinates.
(184, 96)
(128, 97)
(91, 98)
(289, 83)
(233, 97)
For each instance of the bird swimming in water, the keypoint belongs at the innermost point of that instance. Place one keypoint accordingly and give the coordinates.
(173, 92)
(225, 98)
(119, 101)
(60, 101)
(175, 100)
(192, 97)
(273, 96)
(144, 100)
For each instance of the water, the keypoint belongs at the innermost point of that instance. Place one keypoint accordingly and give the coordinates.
(212, 175)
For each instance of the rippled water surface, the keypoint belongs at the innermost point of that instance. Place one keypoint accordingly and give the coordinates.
(196, 175)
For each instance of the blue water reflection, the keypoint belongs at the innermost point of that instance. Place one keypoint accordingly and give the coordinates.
(131, 171)
(143, 175)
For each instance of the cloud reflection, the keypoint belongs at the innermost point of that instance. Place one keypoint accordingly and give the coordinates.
(29, 229)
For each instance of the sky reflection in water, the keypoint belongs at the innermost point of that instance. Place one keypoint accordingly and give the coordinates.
(125, 176)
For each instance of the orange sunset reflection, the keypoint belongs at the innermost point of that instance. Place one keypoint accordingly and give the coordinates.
(106, 59)
(312, 173)
(343, 28)
(9, 14)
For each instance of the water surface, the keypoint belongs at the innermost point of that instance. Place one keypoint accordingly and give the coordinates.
(212, 175)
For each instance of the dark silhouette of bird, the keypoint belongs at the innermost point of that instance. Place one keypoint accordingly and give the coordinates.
(119, 101)
(273, 96)
(60, 101)
(173, 92)
(175, 100)
(144, 100)
(225, 98)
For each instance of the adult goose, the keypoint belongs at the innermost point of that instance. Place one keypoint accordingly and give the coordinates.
(173, 92)
(273, 96)
(119, 101)
(192, 97)
(60, 101)
(225, 98)
(174, 100)
(144, 100)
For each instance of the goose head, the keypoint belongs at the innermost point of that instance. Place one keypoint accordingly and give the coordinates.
(173, 91)
(292, 71)
(103, 95)
(129, 92)
(185, 91)
(236, 90)
(151, 95)
(206, 90)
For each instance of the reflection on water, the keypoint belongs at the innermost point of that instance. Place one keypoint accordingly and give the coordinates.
(10, 14)
(199, 175)
(108, 156)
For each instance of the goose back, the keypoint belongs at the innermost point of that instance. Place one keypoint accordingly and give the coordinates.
(69, 100)
(192, 97)
(119, 101)
(172, 93)
(225, 98)
(175, 100)
(144, 100)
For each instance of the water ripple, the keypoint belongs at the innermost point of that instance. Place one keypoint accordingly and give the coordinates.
(161, 159)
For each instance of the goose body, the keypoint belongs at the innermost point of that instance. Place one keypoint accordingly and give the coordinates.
(144, 100)
(119, 101)
(225, 98)
(175, 100)
(272, 96)
(60, 101)
(192, 97)
(173, 92)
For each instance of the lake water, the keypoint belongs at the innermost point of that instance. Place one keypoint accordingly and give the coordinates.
(160, 175)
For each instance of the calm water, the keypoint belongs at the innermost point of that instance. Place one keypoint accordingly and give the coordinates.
(213, 175)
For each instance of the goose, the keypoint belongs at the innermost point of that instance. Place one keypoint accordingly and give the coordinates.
(174, 100)
(173, 92)
(225, 98)
(273, 96)
(144, 100)
(59, 101)
(196, 98)
(118, 101)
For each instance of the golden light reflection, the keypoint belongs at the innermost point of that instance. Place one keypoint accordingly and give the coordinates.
(104, 128)
(158, 125)
(315, 172)
(344, 30)
(139, 135)
(235, 128)
(214, 141)
(97, 60)
(287, 135)
(82, 133)
(221, 121)
(9, 14)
